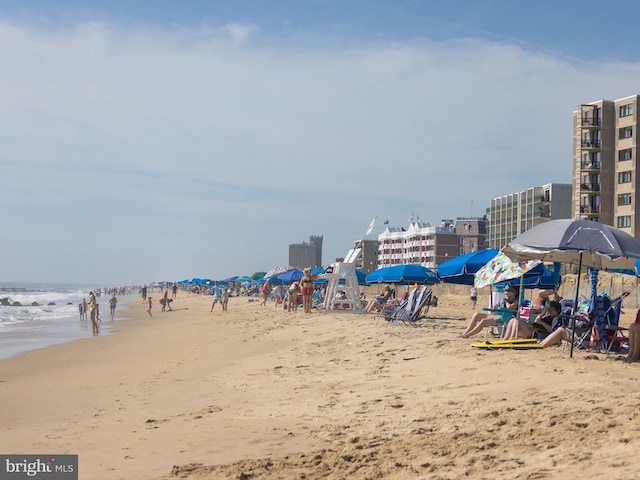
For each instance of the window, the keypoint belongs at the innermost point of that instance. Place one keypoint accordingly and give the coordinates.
(624, 221)
(625, 132)
(626, 110)
(624, 154)
(624, 177)
(624, 199)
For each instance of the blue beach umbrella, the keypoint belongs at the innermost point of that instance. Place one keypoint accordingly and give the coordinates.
(545, 280)
(461, 270)
(403, 274)
(289, 277)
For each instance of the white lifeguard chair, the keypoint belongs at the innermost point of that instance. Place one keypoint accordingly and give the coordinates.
(346, 271)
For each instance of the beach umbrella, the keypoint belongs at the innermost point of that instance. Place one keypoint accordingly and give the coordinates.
(230, 279)
(403, 274)
(461, 270)
(278, 270)
(243, 279)
(547, 280)
(582, 242)
(258, 275)
(501, 268)
(317, 271)
(289, 277)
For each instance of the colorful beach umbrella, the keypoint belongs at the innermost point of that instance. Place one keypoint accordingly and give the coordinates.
(501, 268)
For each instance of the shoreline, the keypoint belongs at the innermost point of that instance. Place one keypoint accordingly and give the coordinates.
(46, 333)
(273, 394)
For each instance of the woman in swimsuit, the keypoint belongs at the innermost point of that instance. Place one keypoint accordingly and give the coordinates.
(306, 283)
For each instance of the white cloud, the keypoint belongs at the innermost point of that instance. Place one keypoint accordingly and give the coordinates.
(213, 132)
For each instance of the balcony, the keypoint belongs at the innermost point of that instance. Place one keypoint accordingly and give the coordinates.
(590, 143)
(590, 166)
(590, 122)
(590, 209)
(590, 187)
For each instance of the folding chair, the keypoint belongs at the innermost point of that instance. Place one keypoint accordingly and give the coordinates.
(606, 316)
(422, 300)
(505, 316)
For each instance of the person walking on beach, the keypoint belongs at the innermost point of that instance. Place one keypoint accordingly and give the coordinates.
(144, 293)
(217, 295)
(264, 292)
(93, 313)
(165, 298)
(174, 291)
(149, 305)
(113, 301)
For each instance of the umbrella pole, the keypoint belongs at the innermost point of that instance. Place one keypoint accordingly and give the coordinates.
(519, 300)
(573, 309)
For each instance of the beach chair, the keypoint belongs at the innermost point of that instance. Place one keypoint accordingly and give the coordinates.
(498, 327)
(389, 313)
(422, 298)
(583, 324)
(423, 302)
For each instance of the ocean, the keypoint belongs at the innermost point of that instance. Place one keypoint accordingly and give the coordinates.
(55, 319)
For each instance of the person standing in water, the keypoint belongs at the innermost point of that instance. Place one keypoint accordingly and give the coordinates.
(113, 301)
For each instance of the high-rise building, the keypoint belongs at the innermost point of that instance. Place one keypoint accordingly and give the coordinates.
(513, 214)
(302, 255)
(605, 149)
(367, 261)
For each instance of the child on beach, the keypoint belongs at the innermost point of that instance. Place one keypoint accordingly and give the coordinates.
(149, 305)
(225, 298)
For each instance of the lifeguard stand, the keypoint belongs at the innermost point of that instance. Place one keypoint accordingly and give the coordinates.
(344, 271)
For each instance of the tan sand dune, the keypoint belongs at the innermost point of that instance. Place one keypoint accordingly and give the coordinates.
(263, 394)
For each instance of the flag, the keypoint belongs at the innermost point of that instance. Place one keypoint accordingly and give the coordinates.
(370, 229)
(386, 222)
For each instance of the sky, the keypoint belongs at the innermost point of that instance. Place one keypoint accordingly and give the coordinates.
(152, 141)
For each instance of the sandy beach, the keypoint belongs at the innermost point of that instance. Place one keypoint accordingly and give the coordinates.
(261, 393)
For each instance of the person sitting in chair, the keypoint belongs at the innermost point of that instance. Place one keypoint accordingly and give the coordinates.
(634, 343)
(481, 320)
(543, 323)
(377, 303)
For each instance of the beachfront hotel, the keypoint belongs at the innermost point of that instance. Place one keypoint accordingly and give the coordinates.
(605, 149)
(420, 244)
(515, 213)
